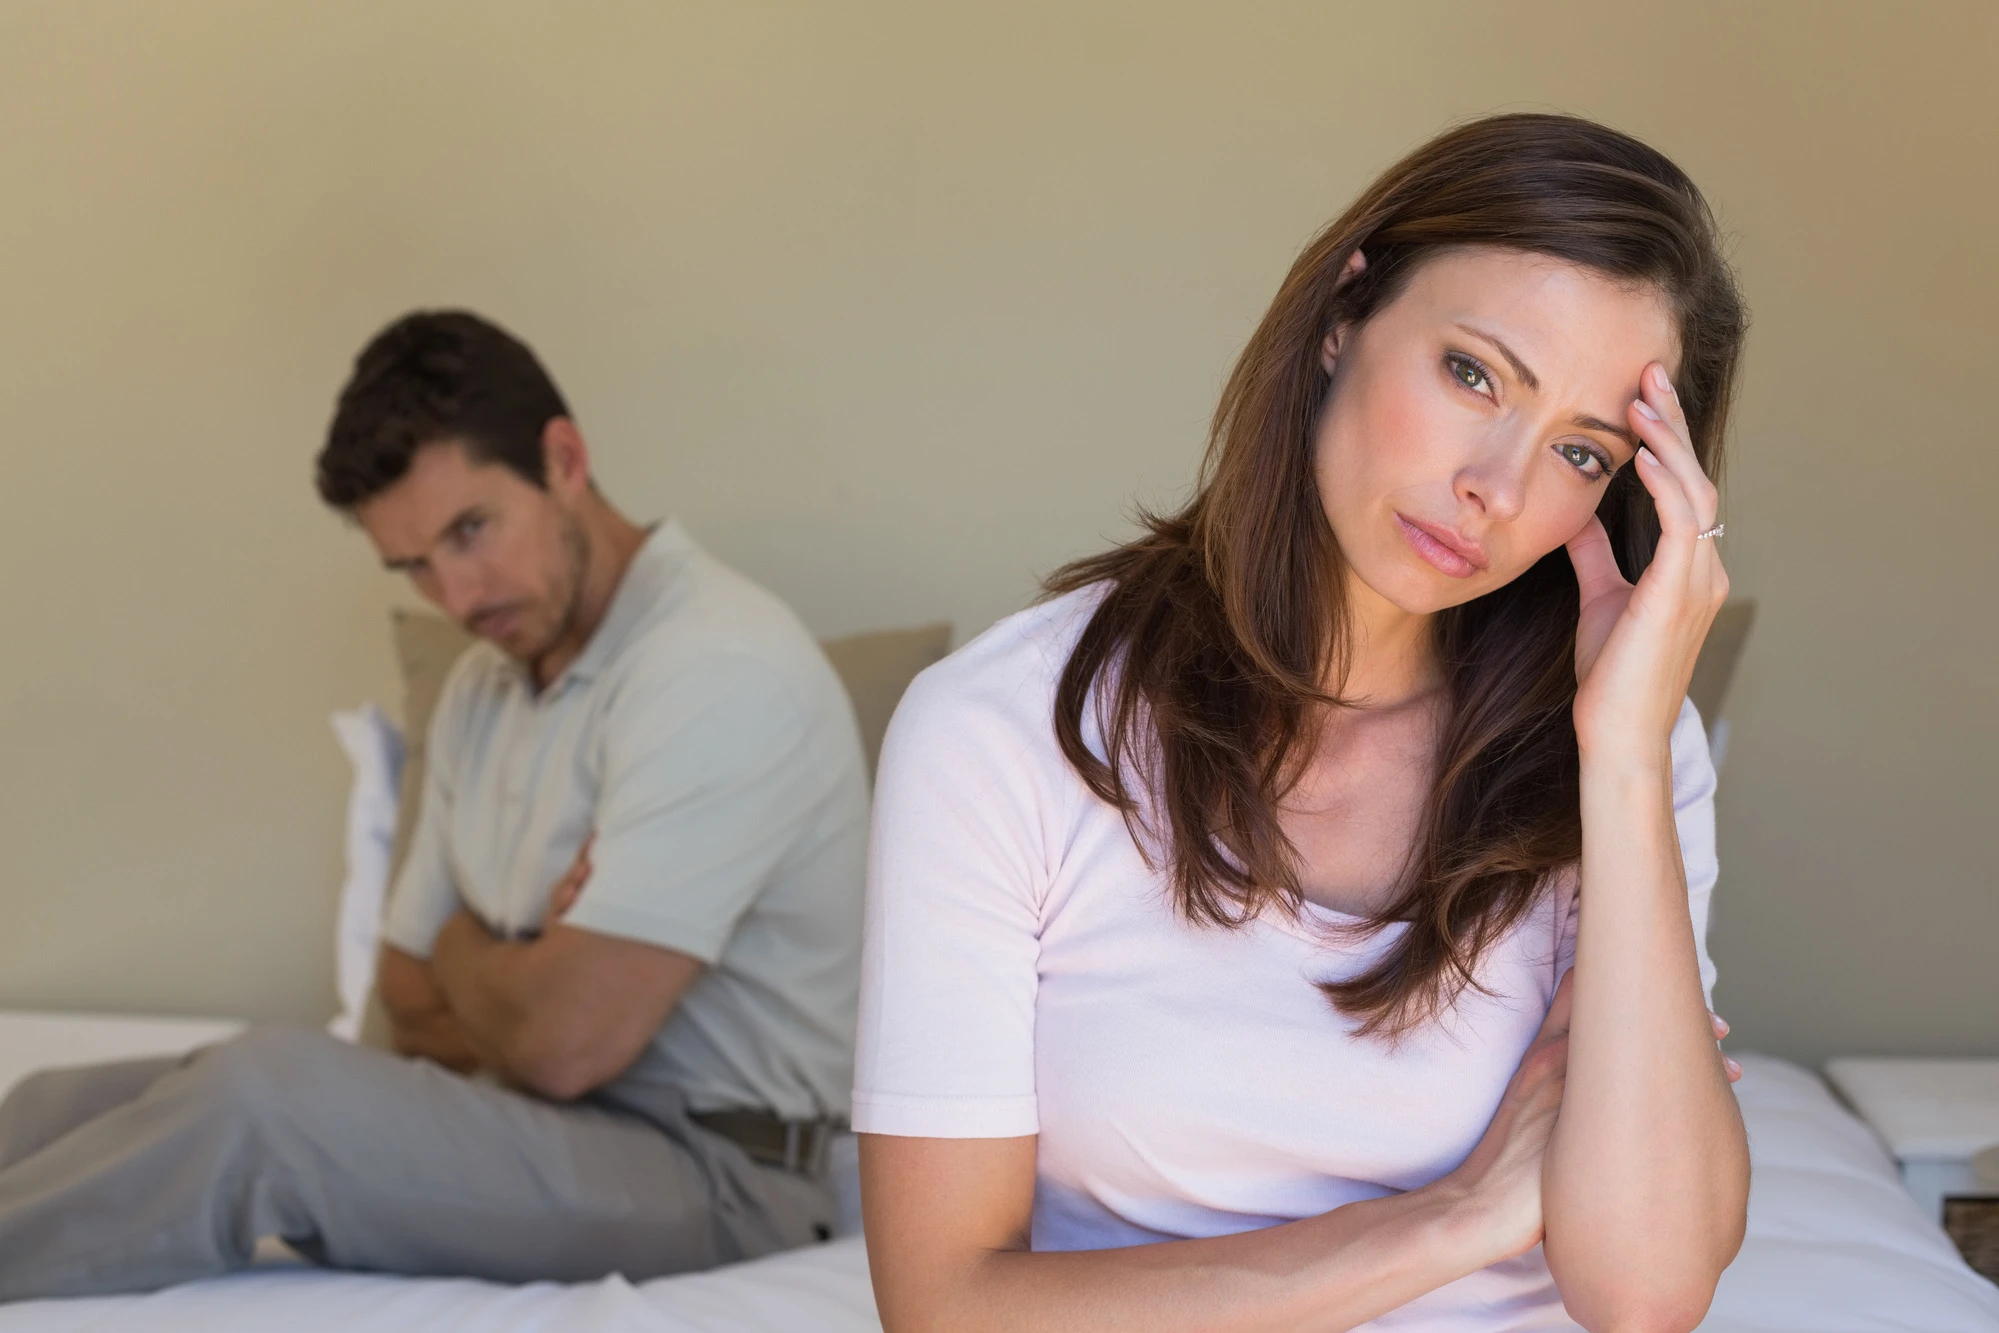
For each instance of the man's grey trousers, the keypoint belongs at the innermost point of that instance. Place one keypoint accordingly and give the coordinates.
(127, 1177)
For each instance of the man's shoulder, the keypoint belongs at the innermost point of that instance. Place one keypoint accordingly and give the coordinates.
(722, 628)
(727, 673)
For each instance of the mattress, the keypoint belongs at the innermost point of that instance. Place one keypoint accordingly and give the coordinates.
(1835, 1245)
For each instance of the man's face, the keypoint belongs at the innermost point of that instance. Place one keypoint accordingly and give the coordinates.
(497, 554)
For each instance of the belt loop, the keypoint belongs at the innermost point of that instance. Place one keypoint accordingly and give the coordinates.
(791, 1136)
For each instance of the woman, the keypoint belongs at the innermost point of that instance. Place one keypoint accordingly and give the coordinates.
(1223, 905)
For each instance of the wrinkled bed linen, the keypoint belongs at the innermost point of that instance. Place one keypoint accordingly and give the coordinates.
(1835, 1245)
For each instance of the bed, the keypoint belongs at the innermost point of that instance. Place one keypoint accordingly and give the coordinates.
(1835, 1244)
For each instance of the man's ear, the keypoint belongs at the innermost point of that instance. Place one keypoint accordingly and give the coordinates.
(565, 458)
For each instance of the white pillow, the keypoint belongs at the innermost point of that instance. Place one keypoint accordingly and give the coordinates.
(375, 747)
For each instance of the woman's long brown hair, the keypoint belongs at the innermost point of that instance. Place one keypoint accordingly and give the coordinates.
(1221, 639)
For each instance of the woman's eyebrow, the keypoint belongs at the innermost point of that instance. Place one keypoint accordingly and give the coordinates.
(1519, 367)
(1621, 432)
(1527, 378)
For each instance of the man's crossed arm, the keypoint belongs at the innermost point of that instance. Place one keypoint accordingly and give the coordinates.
(559, 1015)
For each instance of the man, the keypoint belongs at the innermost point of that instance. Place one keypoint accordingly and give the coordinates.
(620, 958)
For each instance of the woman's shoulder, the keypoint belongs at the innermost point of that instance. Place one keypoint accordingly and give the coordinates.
(1035, 642)
(1002, 683)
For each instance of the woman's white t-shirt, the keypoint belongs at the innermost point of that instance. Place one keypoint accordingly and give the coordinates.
(1025, 972)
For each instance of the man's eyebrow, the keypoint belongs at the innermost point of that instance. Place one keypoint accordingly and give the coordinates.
(402, 564)
(1527, 378)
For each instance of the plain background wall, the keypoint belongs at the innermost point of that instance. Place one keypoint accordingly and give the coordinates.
(898, 306)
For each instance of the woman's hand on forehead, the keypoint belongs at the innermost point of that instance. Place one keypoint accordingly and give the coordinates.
(1636, 644)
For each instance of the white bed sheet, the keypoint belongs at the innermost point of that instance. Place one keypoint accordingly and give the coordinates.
(1835, 1245)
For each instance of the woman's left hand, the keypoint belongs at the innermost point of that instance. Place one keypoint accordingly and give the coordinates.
(1636, 645)
(1728, 1062)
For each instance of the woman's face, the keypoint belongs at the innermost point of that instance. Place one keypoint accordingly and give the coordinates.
(1474, 421)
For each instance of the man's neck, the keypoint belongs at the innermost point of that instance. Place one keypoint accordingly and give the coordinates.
(610, 540)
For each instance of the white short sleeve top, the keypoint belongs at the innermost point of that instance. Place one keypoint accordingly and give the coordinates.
(1025, 972)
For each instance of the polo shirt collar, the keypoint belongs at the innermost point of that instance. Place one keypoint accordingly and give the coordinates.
(654, 567)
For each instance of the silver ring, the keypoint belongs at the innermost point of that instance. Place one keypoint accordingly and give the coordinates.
(1714, 531)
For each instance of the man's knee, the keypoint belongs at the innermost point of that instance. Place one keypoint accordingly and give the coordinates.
(35, 1112)
(38, 1091)
(265, 1070)
(49, 1103)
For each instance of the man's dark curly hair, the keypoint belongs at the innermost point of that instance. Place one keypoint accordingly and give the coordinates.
(432, 376)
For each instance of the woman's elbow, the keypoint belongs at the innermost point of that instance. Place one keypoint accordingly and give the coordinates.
(1650, 1271)
(1651, 1313)
(1646, 1298)
(935, 1303)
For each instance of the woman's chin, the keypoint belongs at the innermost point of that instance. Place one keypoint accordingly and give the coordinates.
(1416, 589)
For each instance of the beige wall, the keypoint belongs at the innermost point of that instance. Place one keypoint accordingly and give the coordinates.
(898, 305)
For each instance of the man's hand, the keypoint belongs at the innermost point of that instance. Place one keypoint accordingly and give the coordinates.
(567, 1010)
(563, 896)
(421, 1022)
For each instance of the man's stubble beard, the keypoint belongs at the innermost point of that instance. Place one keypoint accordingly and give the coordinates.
(576, 550)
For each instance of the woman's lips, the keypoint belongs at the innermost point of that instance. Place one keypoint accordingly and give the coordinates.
(1445, 551)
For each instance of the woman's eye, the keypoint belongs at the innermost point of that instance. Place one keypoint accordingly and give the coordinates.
(1468, 372)
(1585, 461)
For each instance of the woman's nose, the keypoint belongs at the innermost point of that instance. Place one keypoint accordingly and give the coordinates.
(1495, 481)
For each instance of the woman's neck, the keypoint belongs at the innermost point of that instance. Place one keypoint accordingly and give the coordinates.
(1392, 657)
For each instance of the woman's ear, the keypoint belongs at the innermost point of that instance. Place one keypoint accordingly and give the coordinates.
(1329, 350)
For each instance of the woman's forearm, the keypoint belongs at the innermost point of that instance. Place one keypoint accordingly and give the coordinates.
(1647, 1173)
(1326, 1273)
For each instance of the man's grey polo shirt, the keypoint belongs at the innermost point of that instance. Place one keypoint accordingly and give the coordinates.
(705, 739)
